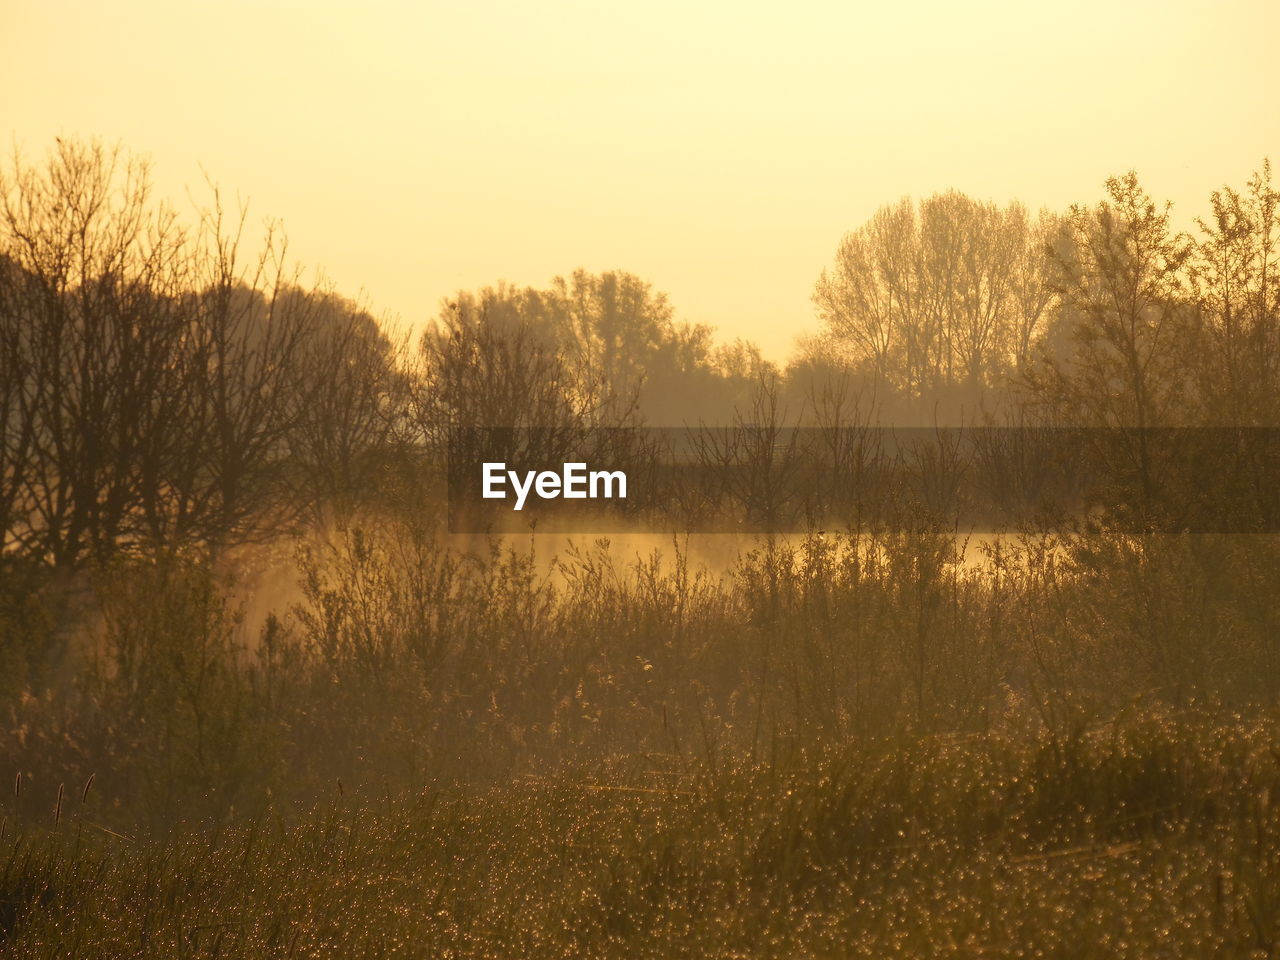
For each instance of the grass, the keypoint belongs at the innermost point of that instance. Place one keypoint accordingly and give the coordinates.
(1156, 838)
(840, 746)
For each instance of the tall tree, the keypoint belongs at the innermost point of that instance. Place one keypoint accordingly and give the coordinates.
(151, 376)
(94, 285)
(1235, 272)
(1123, 315)
(937, 301)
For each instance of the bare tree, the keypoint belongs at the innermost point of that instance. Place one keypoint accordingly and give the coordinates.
(947, 297)
(1031, 290)
(1235, 273)
(1130, 338)
(150, 380)
(494, 386)
(352, 394)
(96, 273)
(868, 301)
(756, 468)
(1123, 308)
(16, 428)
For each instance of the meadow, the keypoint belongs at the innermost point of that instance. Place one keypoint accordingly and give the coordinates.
(837, 745)
(256, 702)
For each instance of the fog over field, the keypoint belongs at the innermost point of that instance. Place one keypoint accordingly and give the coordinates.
(932, 603)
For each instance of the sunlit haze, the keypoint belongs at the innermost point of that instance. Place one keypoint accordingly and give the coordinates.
(718, 151)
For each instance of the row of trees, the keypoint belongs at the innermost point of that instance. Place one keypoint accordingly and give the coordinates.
(944, 296)
(159, 385)
(1106, 316)
(599, 348)
(1159, 328)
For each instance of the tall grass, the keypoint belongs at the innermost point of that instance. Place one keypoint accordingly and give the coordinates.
(1151, 838)
(407, 661)
(846, 743)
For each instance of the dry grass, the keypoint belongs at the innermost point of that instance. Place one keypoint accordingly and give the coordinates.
(1155, 840)
(843, 746)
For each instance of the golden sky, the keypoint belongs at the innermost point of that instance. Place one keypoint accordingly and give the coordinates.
(718, 150)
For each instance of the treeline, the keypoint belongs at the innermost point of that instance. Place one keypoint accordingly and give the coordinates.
(166, 394)
(1105, 316)
(160, 387)
(163, 384)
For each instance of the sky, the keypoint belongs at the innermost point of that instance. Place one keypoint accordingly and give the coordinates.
(716, 150)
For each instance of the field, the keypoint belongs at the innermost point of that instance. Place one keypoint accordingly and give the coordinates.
(270, 688)
(841, 746)
(1154, 838)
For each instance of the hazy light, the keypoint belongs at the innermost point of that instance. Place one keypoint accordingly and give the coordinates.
(716, 150)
